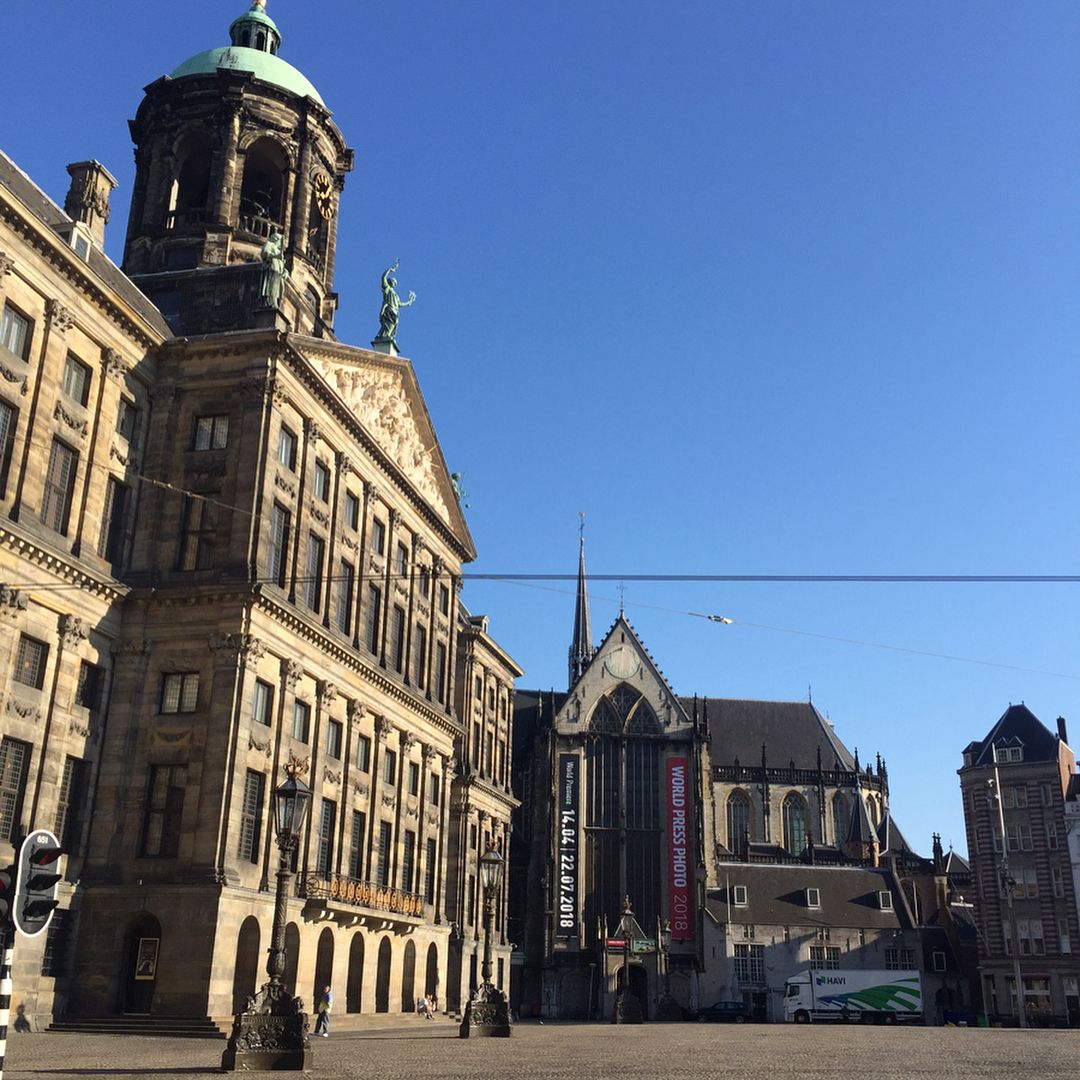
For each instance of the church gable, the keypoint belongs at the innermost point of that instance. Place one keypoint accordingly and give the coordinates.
(384, 396)
(622, 692)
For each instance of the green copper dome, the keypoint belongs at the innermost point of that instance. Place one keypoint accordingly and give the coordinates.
(255, 41)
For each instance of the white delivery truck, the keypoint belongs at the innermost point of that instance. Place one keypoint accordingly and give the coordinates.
(874, 997)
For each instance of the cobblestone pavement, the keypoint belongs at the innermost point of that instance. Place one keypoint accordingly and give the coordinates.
(576, 1051)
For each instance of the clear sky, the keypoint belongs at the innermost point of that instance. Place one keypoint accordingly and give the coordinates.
(759, 287)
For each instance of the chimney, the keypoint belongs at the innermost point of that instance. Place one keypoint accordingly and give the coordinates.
(1063, 735)
(88, 197)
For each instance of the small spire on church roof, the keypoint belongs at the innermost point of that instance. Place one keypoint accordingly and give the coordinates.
(581, 646)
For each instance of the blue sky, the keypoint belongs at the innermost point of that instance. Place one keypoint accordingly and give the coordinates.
(759, 287)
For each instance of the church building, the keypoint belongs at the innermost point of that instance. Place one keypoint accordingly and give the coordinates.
(231, 540)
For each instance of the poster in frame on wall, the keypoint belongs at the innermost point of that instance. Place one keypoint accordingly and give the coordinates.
(146, 959)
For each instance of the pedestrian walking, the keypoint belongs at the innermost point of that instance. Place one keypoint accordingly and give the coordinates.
(322, 1020)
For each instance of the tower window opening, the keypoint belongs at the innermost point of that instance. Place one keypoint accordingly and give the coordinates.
(245, 38)
(262, 191)
(260, 42)
(191, 186)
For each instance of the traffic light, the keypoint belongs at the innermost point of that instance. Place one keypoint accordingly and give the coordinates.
(36, 882)
(7, 894)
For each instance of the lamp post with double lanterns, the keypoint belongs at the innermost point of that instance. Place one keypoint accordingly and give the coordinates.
(487, 1012)
(627, 1007)
(271, 1033)
(667, 1008)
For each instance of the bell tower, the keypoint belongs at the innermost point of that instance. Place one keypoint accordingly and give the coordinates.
(239, 169)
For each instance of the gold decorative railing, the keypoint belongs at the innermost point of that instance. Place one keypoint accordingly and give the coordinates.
(346, 890)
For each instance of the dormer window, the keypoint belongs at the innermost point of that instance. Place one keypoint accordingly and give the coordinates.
(885, 900)
(813, 898)
(739, 896)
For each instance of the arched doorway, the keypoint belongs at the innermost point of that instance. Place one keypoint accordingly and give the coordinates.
(408, 978)
(354, 983)
(639, 986)
(138, 976)
(382, 978)
(246, 971)
(431, 974)
(324, 964)
(292, 957)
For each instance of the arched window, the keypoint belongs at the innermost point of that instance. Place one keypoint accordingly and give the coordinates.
(263, 189)
(738, 821)
(795, 826)
(839, 819)
(191, 182)
(874, 810)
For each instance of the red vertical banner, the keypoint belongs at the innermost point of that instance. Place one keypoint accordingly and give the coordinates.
(680, 875)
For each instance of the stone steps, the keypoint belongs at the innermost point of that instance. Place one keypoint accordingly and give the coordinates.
(173, 1027)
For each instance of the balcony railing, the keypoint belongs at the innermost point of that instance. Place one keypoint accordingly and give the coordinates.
(752, 774)
(258, 225)
(183, 219)
(340, 889)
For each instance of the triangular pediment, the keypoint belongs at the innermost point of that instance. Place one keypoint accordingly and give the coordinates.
(622, 690)
(383, 395)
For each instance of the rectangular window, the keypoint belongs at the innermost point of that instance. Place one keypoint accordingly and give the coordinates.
(211, 432)
(251, 817)
(389, 766)
(489, 753)
(180, 692)
(321, 482)
(333, 739)
(899, 958)
(401, 563)
(69, 804)
(111, 538)
(373, 615)
(14, 762)
(324, 855)
(30, 662)
(1064, 942)
(739, 896)
(750, 964)
(825, 957)
(127, 419)
(408, 861)
(433, 788)
(440, 671)
(278, 553)
(54, 957)
(476, 746)
(378, 536)
(1020, 796)
(286, 450)
(471, 917)
(397, 637)
(313, 585)
(938, 961)
(424, 577)
(352, 511)
(15, 332)
(356, 845)
(444, 600)
(9, 418)
(363, 753)
(1051, 836)
(76, 383)
(414, 778)
(262, 703)
(1057, 881)
(200, 531)
(382, 874)
(346, 585)
(420, 656)
(301, 720)
(429, 872)
(164, 810)
(59, 487)
(89, 688)
(885, 900)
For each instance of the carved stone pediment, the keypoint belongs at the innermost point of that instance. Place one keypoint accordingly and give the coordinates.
(377, 397)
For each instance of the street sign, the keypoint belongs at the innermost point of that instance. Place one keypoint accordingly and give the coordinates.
(643, 945)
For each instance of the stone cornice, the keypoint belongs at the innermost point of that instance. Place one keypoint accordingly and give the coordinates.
(62, 565)
(349, 659)
(73, 269)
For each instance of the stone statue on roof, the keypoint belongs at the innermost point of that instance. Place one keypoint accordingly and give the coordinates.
(391, 307)
(274, 271)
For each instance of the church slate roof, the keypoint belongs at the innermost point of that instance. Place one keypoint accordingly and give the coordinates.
(48, 213)
(791, 731)
(1018, 726)
(776, 895)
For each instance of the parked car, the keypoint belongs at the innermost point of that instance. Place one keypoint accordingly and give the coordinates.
(723, 1012)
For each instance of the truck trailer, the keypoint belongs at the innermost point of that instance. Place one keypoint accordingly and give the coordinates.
(873, 997)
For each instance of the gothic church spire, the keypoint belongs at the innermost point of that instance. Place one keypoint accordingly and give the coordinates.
(581, 646)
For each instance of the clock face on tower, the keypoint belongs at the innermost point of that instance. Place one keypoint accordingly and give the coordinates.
(323, 188)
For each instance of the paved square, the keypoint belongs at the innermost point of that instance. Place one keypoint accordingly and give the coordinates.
(573, 1051)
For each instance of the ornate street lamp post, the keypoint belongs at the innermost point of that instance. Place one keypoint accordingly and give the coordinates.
(487, 1012)
(668, 1007)
(627, 1008)
(271, 1032)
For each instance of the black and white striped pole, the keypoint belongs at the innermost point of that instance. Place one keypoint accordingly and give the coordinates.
(5, 992)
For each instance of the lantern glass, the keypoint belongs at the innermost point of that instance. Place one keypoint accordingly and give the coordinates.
(491, 870)
(290, 808)
(665, 935)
